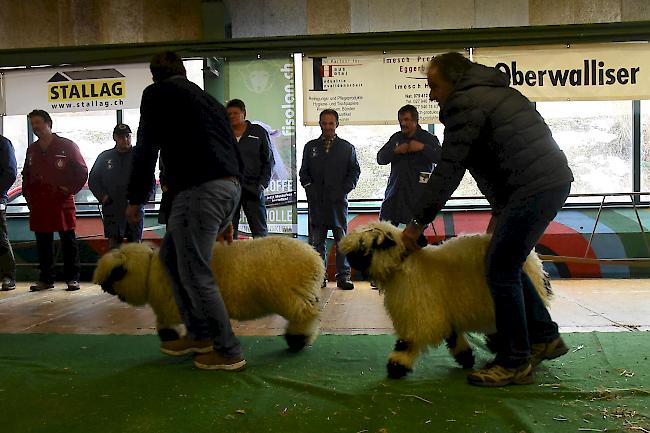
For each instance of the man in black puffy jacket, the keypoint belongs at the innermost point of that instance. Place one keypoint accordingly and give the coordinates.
(495, 132)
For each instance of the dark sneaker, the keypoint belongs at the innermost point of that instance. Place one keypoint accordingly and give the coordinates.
(496, 375)
(323, 284)
(214, 361)
(344, 284)
(40, 286)
(373, 285)
(544, 351)
(185, 346)
(8, 284)
(73, 286)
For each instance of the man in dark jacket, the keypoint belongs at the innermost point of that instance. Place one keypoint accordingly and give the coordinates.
(329, 172)
(108, 181)
(202, 170)
(411, 154)
(7, 178)
(493, 131)
(255, 150)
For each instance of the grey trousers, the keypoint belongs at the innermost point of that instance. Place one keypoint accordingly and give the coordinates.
(198, 215)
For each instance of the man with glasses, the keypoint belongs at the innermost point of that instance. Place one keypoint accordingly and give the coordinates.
(411, 153)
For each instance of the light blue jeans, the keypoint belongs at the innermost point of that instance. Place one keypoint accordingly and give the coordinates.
(198, 215)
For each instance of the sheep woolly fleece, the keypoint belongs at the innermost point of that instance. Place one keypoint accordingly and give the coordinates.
(256, 278)
(437, 291)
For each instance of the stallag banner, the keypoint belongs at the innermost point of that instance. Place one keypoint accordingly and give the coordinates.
(74, 89)
(611, 71)
(267, 87)
(367, 89)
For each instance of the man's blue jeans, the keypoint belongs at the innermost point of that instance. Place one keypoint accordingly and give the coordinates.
(521, 317)
(255, 211)
(198, 215)
(319, 238)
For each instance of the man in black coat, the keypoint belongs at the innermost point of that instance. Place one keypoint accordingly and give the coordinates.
(411, 153)
(495, 132)
(329, 171)
(255, 150)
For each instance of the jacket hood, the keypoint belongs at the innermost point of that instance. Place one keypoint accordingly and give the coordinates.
(480, 75)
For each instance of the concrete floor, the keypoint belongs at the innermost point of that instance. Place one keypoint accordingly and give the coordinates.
(579, 306)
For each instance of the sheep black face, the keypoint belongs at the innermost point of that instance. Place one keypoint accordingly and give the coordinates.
(362, 259)
(116, 275)
(375, 249)
(123, 272)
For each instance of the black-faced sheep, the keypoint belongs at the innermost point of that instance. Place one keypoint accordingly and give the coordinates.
(435, 294)
(257, 278)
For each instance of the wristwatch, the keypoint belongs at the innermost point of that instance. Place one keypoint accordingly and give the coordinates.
(418, 224)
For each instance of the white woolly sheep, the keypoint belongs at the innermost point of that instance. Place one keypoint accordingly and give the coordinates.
(435, 294)
(257, 278)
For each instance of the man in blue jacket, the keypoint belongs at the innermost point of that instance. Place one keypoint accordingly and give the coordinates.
(108, 181)
(329, 172)
(202, 171)
(494, 131)
(255, 150)
(411, 153)
(8, 173)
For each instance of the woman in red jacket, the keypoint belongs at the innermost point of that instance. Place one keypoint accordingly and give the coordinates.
(53, 173)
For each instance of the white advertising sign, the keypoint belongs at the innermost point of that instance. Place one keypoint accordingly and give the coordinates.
(367, 89)
(609, 71)
(75, 88)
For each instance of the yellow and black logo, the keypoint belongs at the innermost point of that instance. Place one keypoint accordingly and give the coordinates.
(86, 85)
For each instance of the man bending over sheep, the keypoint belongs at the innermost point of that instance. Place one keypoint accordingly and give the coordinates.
(495, 132)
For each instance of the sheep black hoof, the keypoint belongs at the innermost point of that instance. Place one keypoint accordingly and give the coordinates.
(296, 342)
(492, 343)
(465, 358)
(396, 370)
(168, 334)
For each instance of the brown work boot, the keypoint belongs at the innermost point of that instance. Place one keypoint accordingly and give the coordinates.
(185, 346)
(544, 351)
(215, 361)
(493, 375)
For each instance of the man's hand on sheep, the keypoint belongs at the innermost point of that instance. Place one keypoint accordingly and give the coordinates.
(226, 235)
(410, 237)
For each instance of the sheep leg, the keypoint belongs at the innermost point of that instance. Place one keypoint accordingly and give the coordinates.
(301, 333)
(460, 349)
(170, 332)
(400, 361)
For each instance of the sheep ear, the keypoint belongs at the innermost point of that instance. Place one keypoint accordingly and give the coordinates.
(384, 243)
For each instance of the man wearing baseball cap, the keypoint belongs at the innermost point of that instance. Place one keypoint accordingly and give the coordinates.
(108, 181)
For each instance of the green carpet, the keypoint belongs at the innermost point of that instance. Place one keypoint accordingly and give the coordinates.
(86, 383)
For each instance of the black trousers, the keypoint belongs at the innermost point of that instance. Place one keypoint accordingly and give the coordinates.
(70, 249)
